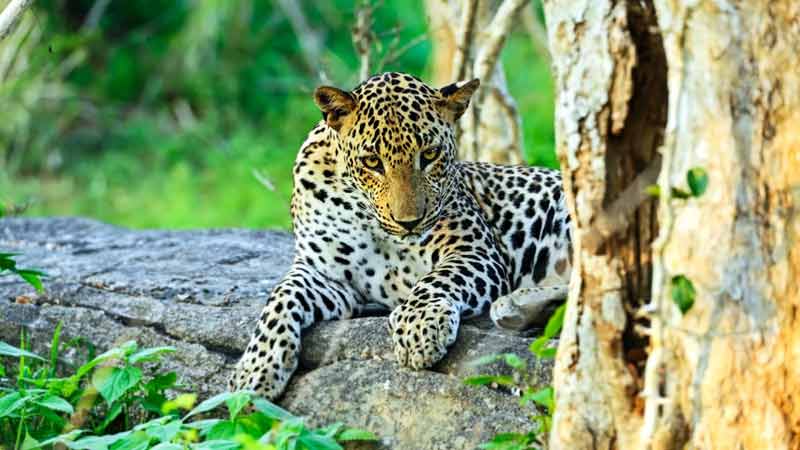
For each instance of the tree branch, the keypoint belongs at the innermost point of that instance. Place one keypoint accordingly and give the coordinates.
(11, 15)
(464, 40)
(363, 37)
(498, 31)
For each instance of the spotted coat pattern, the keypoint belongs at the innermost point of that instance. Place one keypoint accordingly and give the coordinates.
(384, 212)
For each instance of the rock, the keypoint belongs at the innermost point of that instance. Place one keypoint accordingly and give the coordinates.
(409, 409)
(202, 291)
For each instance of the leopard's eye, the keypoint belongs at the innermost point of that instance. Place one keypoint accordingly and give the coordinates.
(372, 162)
(429, 155)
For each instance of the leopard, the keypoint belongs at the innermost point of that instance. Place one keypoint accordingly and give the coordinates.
(384, 212)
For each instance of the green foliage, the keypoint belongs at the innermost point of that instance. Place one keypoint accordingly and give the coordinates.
(539, 347)
(696, 178)
(31, 276)
(132, 411)
(522, 380)
(682, 293)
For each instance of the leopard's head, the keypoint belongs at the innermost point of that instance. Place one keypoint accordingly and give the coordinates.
(396, 135)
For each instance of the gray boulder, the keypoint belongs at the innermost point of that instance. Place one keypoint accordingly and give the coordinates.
(202, 291)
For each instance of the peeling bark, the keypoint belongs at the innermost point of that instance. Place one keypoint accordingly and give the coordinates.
(660, 87)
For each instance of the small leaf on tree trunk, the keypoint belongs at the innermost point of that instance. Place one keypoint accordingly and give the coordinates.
(698, 181)
(683, 293)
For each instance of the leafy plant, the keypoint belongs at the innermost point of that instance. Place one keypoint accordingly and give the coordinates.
(110, 402)
(523, 381)
(31, 276)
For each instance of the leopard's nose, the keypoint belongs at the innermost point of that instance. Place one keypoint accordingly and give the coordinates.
(409, 225)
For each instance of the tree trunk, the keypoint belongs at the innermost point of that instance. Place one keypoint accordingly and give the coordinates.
(467, 37)
(711, 85)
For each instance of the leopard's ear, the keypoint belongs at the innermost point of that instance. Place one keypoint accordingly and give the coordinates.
(336, 105)
(455, 98)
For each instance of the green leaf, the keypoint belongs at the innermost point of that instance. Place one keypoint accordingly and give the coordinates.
(154, 402)
(54, 344)
(697, 178)
(30, 443)
(480, 380)
(161, 382)
(330, 430)
(236, 402)
(10, 403)
(111, 414)
(165, 432)
(509, 441)
(543, 397)
(653, 190)
(150, 354)
(257, 423)
(9, 350)
(355, 434)
(71, 436)
(538, 345)
(683, 293)
(221, 444)
(114, 353)
(129, 347)
(116, 384)
(548, 353)
(271, 410)
(514, 361)
(203, 425)
(96, 442)
(225, 429)
(209, 404)
(138, 440)
(313, 441)
(56, 404)
(556, 321)
(183, 401)
(167, 446)
(6, 263)
(32, 277)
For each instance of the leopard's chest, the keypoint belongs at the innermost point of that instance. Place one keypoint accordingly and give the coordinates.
(384, 269)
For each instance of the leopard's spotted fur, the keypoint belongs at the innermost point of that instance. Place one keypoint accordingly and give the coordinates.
(383, 211)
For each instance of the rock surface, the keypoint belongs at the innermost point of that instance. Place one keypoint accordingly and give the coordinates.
(202, 291)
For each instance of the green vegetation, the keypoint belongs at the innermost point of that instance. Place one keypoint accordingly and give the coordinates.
(113, 402)
(523, 381)
(682, 289)
(167, 113)
(9, 265)
(31, 276)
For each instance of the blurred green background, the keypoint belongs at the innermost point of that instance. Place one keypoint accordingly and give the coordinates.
(173, 114)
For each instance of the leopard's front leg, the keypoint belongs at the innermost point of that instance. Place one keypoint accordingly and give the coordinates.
(463, 282)
(301, 297)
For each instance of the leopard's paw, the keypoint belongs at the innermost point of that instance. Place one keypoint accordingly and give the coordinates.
(422, 333)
